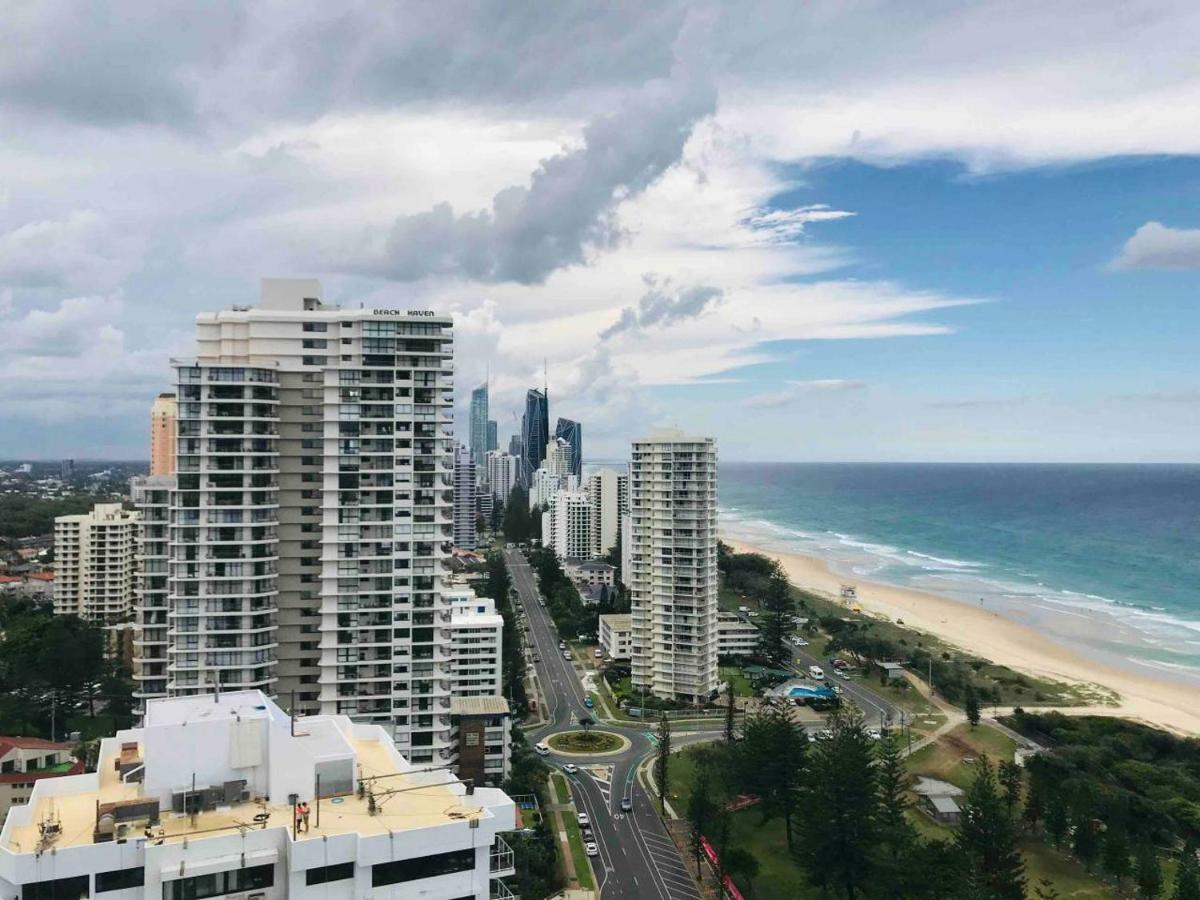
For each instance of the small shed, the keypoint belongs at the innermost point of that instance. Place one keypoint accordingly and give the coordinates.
(943, 810)
(890, 671)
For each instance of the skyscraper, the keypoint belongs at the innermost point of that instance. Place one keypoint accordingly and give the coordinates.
(572, 432)
(464, 499)
(492, 437)
(608, 493)
(672, 575)
(95, 563)
(502, 473)
(479, 424)
(313, 510)
(535, 433)
(162, 435)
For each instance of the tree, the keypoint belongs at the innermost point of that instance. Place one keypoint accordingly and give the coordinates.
(1147, 871)
(993, 867)
(518, 522)
(972, 706)
(778, 608)
(841, 821)
(662, 764)
(773, 756)
(897, 838)
(742, 862)
(1010, 776)
(1056, 819)
(729, 715)
(1084, 842)
(1046, 890)
(700, 813)
(1115, 855)
(1187, 876)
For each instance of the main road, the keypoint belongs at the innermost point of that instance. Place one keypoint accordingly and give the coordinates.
(637, 859)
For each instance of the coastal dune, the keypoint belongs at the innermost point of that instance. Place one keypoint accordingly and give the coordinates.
(987, 634)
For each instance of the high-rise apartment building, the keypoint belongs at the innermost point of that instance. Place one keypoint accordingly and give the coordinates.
(572, 432)
(163, 417)
(313, 511)
(476, 630)
(567, 525)
(608, 494)
(492, 435)
(66, 469)
(672, 575)
(464, 498)
(152, 499)
(502, 471)
(95, 562)
(479, 424)
(535, 433)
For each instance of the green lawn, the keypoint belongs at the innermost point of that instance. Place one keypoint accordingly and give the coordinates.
(951, 758)
(737, 678)
(1070, 878)
(562, 792)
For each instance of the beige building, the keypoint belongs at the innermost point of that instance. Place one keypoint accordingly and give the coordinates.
(24, 761)
(736, 636)
(673, 565)
(96, 563)
(615, 633)
(162, 435)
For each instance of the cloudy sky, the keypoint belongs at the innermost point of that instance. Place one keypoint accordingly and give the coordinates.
(819, 231)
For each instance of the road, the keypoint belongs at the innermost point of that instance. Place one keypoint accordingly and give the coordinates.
(637, 858)
(878, 711)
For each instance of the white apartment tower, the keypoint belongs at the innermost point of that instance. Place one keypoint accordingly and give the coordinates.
(152, 498)
(608, 494)
(672, 575)
(502, 469)
(570, 525)
(95, 561)
(464, 499)
(313, 511)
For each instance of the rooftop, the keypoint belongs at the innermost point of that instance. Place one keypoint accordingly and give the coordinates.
(478, 706)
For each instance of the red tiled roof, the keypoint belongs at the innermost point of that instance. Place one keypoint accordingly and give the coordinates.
(11, 579)
(17, 777)
(29, 743)
(42, 576)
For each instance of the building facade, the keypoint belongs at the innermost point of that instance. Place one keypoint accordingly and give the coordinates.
(608, 493)
(493, 438)
(479, 424)
(96, 563)
(616, 633)
(163, 415)
(572, 432)
(535, 433)
(736, 636)
(673, 565)
(152, 499)
(502, 473)
(464, 499)
(313, 512)
(569, 518)
(208, 798)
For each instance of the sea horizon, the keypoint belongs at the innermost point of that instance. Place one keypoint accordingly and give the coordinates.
(1103, 558)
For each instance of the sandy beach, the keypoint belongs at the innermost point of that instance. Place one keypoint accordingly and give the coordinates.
(989, 635)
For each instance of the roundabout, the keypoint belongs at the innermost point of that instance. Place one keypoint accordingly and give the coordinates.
(588, 743)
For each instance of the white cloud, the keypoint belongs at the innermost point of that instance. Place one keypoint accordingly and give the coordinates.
(1157, 246)
(794, 391)
(81, 252)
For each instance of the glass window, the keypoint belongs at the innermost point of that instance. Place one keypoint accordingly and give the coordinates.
(198, 887)
(422, 867)
(120, 879)
(56, 889)
(323, 874)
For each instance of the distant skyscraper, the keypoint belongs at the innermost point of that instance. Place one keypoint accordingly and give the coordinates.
(535, 432)
(516, 450)
(492, 441)
(66, 469)
(479, 424)
(162, 435)
(672, 576)
(572, 432)
(464, 499)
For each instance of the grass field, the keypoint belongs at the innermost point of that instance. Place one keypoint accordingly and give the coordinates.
(737, 678)
(952, 758)
(584, 742)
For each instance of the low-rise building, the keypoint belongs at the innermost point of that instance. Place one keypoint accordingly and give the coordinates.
(589, 571)
(481, 738)
(225, 794)
(24, 761)
(735, 636)
(616, 632)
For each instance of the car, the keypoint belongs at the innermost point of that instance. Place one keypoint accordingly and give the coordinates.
(562, 645)
(566, 654)
(837, 689)
(583, 819)
(626, 804)
(588, 702)
(874, 734)
(743, 609)
(592, 849)
(537, 658)
(587, 834)
(816, 672)
(842, 673)
(598, 653)
(541, 748)
(800, 642)
(570, 768)
(837, 662)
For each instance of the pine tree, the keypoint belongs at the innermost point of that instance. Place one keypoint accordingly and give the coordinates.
(662, 764)
(1147, 871)
(1187, 876)
(729, 716)
(1046, 890)
(778, 608)
(987, 841)
(773, 761)
(841, 811)
(1011, 778)
(1116, 852)
(699, 813)
(1056, 819)
(897, 838)
(1085, 844)
(972, 705)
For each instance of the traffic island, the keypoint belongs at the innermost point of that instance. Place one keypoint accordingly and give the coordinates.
(588, 743)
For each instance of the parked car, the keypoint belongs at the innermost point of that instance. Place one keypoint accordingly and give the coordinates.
(743, 609)
(800, 642)
(592, 849)
(598, 653)
(842, 673)
(536, 658)
(566, 654)
(541, 748)
(587, 834)
(837, 662)
(562, 645)
(583, 819)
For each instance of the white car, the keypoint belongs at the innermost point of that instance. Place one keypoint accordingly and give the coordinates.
(592, 849)
(598, 653)
(542, 749)
(800, 642)
(816, 672)
(583, 819)
(842, 673)
(570, 768)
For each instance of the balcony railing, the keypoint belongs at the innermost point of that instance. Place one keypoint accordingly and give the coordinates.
(500, 891)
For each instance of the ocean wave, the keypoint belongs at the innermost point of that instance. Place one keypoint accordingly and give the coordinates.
(952, 563)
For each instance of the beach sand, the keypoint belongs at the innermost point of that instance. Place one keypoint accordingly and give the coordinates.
(985, 633)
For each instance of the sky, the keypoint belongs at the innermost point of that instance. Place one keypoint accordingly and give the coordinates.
(818, 231)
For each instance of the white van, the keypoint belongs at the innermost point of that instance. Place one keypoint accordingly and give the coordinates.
(816, 672)
(541, 749)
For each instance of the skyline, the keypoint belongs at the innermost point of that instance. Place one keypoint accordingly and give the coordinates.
(783, 229)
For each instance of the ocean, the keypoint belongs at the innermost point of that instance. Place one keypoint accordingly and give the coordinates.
(1103, 558)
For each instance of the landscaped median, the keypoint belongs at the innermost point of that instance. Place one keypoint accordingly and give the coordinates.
(570, 826)
(588, 743)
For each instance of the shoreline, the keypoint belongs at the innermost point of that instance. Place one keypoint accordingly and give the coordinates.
(988, 634)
